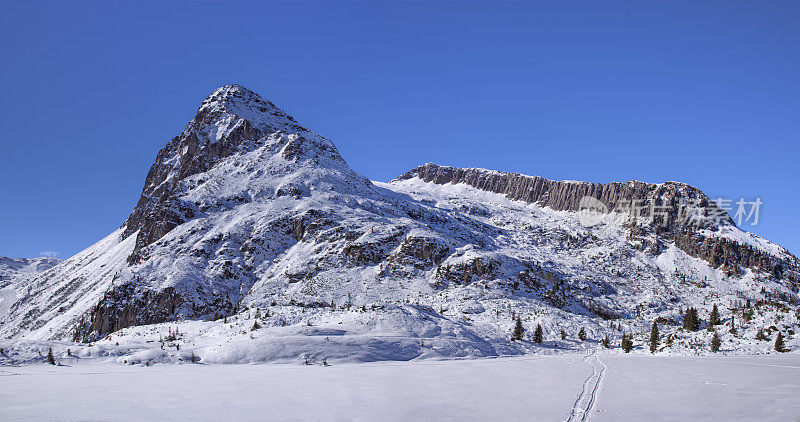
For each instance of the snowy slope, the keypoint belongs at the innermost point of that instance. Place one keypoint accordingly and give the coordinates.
(14, 276)
(256, 239)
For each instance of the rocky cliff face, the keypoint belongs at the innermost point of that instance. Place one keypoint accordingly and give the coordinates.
(567, 195)
(667, 203)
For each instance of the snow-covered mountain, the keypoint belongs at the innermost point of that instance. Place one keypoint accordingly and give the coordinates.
(17, 270)
(255, 237)
(14, 274)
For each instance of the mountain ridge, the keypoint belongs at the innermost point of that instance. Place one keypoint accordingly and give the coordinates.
(246, 212)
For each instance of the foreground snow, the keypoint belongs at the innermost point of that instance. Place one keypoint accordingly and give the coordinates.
(555, 388)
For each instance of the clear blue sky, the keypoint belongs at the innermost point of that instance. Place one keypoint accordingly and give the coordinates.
(706, 93)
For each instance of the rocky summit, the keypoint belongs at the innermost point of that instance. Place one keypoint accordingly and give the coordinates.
(253, 240)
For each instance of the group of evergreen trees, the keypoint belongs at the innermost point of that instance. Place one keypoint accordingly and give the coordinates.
(519, 332)
(691, 322)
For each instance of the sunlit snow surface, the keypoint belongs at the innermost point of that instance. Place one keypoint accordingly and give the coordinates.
(547, 388)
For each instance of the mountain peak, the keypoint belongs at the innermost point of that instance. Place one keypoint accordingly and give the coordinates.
(232, 121)
(241, 102)
(232, 94)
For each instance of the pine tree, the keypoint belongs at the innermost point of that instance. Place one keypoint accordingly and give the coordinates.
(713, 319)
(715, 342)
(256, 326)
(627, 343)
(563, 334)
(760, 335)
(733, 326)
(654, 340)
(779, 343)
(582, 334)
(690, 320)
(537, 335)
(519, 330)
(50, 358)
(606, 342)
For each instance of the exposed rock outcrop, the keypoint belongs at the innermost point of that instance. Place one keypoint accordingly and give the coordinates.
(567, 195)
(124, 307)
(665, 203)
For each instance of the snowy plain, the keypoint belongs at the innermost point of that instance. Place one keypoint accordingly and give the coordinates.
(600, 387)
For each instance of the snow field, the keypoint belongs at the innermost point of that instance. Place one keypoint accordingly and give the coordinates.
(546, 388)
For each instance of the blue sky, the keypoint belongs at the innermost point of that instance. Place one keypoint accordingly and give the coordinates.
(706, 94)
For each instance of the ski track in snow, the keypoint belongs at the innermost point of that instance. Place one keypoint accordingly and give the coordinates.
(584, 404)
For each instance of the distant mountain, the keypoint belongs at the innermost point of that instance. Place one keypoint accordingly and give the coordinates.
(248, 216)
(15, 270)
(14, 274)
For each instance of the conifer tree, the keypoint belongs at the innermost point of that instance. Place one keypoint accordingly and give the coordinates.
(537, 334)
(627, 343)
(733, 326)
(713, 319)
(519, 330)
(779, 347)
(690, 320)
(582, 334)
(563, 334)
(50, 358)
(654, 340)
(606, 342)
(760, 335)
(715, 342)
